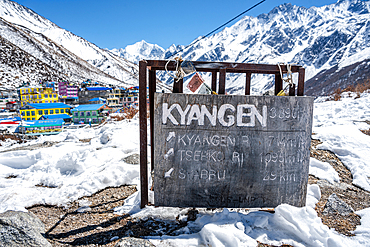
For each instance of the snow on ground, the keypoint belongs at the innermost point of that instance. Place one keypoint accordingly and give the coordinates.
(323, 170)
(72, 168)
(337, 124)
(69, 169)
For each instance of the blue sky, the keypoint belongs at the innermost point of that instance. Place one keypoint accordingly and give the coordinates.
(118, 23)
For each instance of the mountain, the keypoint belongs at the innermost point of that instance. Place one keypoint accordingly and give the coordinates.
(321, 39)
(140, 50)
(332, 42)
(69, 55)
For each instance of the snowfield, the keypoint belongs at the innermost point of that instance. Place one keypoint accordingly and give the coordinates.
(80, 162)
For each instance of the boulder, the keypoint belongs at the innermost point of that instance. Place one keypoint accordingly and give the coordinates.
(336, 205)
(21, 229)
(133, 159)
(134, 242)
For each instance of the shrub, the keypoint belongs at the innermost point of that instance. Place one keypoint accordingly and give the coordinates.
(358, 89)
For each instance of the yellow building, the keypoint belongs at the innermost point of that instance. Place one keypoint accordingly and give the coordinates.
(37, 95)
(35, 111)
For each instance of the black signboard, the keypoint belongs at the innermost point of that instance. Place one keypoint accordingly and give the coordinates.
(231, 150)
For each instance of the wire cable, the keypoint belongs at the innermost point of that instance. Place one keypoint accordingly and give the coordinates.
(196, 41)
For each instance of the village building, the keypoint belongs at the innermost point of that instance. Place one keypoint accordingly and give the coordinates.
(51, 84)
(92, 113)
(36, 95)
(11, 106)
(33, 111)
(87, 93)
(41, 127)
(68, 93)
(116, 97)
(6, 97)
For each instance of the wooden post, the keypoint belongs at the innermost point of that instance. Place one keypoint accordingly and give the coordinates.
(292, 90)
(248, 76)
(214, 81)
(143, 134)
(152, 89)
(221, 82)
(178, 86)
(278, 83)
(301, 75)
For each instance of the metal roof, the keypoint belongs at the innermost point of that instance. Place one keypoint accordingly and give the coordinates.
(55, 116)
(36, 123)
(46, 105)
(97, 99)
(89, 107)
(98, 88)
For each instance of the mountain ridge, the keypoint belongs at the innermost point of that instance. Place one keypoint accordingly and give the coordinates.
(318, 38)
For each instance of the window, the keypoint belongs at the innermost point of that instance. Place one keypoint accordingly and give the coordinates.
(95, 120)
(57, 111)
(61, 110)
(93, 113)
(82, 114)
(33, 113)
(28, 113)
(22, 113)
(46, 112)
(33, 118)
(51, 111)
(40, 112)
(88, 114)
(50, 96)
(75, 114)
(39, 96)
(55, 95)
(76, 120)
(46, 95)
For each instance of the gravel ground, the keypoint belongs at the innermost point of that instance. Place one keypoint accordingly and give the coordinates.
(90, 221)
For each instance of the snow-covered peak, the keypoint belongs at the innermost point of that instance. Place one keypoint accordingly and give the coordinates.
(140, 50)
(23, 16)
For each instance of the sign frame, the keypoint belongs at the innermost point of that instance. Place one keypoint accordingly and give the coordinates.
(149, 84)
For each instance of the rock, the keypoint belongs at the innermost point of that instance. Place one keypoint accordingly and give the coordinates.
(83, 209)
(192, 214)
(134, 242)
(133, 159)
(21, 229)
(104, 138)
(336, 205)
